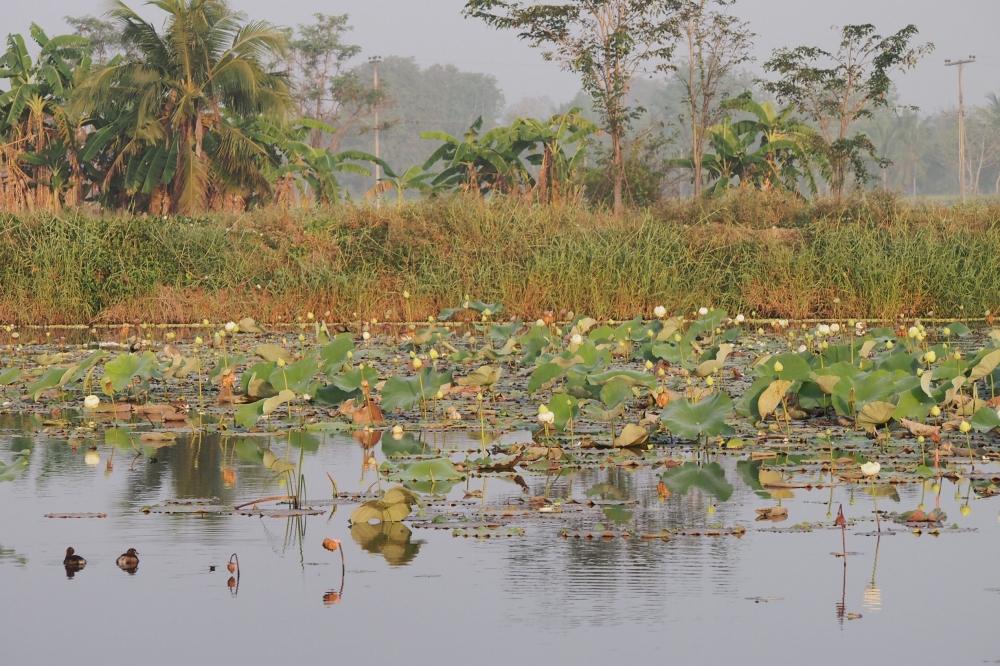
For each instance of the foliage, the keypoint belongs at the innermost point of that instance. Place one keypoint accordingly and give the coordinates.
(837, 88)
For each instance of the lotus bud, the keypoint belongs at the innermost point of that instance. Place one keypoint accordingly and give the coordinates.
(417, 364)
(930, 357)
(965, 426)
(935, 411)
(778, 366)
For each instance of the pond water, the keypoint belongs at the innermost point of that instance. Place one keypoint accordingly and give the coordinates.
(422, 595)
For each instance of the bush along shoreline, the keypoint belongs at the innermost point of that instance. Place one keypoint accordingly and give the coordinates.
(767, 255)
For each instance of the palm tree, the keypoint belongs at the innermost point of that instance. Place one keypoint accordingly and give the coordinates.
(174, 107)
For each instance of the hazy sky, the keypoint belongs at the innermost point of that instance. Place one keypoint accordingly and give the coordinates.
(433, 31)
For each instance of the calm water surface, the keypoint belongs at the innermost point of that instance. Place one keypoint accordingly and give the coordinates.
(424, 596)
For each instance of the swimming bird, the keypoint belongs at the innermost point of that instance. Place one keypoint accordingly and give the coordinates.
(74, 560)
(128, 561)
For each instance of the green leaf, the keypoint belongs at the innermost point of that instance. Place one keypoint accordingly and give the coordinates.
(405, 393)
(49, 379)
(704, 419)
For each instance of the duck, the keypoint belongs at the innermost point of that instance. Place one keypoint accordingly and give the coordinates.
(72, 560)
(128, 561)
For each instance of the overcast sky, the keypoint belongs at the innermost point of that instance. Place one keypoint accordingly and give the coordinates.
(433, 31)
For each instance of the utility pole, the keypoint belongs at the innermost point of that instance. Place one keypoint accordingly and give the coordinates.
(961, 117)
(375, 60)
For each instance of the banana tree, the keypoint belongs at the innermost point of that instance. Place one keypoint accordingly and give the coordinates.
(767, 150)
(40, 153)
(483, 162)
(552, 139)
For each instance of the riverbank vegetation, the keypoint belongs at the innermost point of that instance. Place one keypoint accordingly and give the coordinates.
(769, 254)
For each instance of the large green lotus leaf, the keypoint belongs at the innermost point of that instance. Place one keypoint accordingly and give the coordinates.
(438, 469)
(406, 393)
(295, 377)
(985, 419)
(629, 377)
(565, 408)
(710, 478)
(351, 380)
(615, 392)
(256, 376)
(49, 379)
(121, 370)
(794, 367)
(78, 371)
(247, 415)
(543, 374)
(704, 419)
(334, 354)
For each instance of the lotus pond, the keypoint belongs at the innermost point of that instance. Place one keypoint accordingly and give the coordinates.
(699, 488)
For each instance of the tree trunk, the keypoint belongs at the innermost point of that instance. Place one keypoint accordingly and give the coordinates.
(618, 166)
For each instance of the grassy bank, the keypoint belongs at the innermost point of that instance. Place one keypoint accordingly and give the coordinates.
(752, 253)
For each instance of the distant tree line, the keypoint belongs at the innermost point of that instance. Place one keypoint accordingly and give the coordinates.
(206, 109)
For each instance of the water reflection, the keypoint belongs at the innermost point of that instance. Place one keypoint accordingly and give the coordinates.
(393, 541)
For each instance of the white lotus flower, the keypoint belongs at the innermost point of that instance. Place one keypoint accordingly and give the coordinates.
(660, 312)
(703, 311)
(823, 329)
(740, 319)
(576, 339)
(870, 468)
(835, 327)
(92, 458)
(231, 327)
(91, 402)
(546, 417)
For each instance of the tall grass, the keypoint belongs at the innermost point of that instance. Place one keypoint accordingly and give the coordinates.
(771, 255)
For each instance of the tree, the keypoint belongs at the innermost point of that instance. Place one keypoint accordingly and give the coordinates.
(717, 43)
(39, 155)
(170, 117)
(768, 149)
(606, 42)
(837, 88)
(104, 37)
(324, 84)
